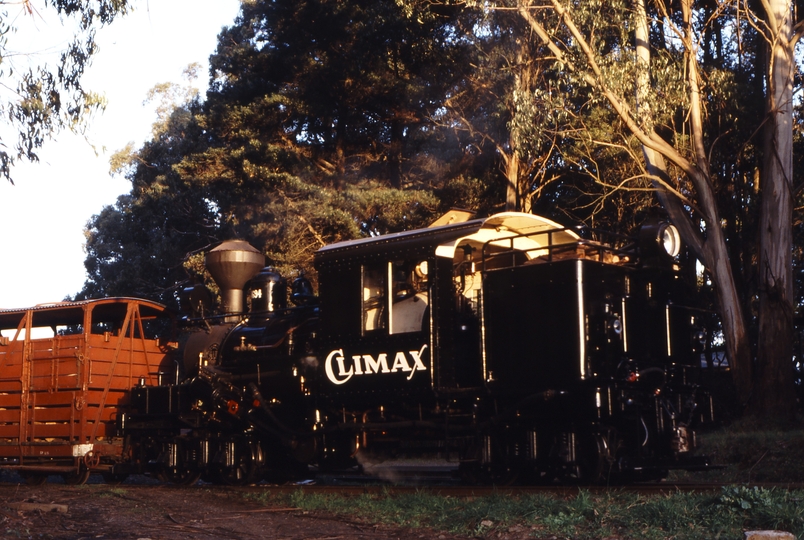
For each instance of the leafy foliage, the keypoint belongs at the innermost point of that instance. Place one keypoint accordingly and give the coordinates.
(44, 99)
(137, 246)
(315, 129)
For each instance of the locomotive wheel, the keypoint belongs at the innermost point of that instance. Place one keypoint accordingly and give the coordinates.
(246, 466)
(599, 460)
(595, 456)
(180, 476)
(503, 470)
(508, 474)
(239, 475)
(284, 469)
(585, 458)
(76, 478)
(175, 466)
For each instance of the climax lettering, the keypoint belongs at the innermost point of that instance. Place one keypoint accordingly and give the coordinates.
(400, 363)
(343, 375)
(339, 370)
(373, 366)
(417, 359)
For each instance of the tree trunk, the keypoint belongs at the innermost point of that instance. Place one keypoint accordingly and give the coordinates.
(775, 393)
(511, 179)
(511, 154)
(712, 252)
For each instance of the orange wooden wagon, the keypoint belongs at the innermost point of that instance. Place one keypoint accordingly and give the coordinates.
(66, 373)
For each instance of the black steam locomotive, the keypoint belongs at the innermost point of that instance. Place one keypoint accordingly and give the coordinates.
(510, 346)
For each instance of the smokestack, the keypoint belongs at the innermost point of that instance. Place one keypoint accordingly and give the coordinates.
(232, 264)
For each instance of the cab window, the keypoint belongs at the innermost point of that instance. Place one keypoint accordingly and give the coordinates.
(408, 309)
(373, 284)
(395, 297)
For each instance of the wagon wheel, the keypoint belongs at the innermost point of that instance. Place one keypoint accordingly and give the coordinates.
(76, 478)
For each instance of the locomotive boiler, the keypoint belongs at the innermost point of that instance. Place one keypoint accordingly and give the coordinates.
(509, 346)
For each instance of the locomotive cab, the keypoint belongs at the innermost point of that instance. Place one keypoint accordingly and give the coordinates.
(523, 345)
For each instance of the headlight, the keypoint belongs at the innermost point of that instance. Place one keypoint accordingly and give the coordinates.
(670, 239)
(659, 239)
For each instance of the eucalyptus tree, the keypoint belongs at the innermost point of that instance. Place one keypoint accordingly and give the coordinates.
(41, 99)
(647, 65)
(485, 104)
(536, 132)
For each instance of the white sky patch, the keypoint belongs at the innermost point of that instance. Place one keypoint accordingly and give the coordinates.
(42, 217)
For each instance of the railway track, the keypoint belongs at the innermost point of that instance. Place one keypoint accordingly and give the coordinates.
(428, 481)
(480, 491)
(446, 491)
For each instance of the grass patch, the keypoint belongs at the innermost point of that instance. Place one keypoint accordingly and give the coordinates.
(583, 516)
(748, 453)
(112, 492)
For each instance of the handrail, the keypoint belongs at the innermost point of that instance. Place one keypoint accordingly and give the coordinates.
(552, 249)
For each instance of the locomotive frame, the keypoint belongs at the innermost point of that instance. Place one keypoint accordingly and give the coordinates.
(510, 346)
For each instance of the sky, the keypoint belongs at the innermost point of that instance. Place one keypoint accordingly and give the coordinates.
(42, 216)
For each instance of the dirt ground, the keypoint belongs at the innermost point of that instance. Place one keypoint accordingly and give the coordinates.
(99, 511)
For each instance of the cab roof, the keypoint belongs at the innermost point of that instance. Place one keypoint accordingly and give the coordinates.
(445, 239)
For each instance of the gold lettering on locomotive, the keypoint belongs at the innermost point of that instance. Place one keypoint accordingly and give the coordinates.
(400, 363)
(373, 366)
(366, 364)
(417, 361)
(337, 355)
(358, 365)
